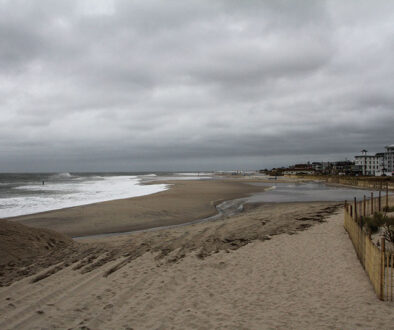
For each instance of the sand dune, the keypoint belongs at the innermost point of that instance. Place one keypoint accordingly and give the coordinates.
(38, 249)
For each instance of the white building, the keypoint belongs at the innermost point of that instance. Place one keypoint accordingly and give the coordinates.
(370, 164)
(388, 162)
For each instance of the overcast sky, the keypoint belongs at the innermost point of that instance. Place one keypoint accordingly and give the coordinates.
(192, 85)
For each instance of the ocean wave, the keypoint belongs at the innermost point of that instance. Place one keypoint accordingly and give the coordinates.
(64, 175)
(67, 193)
(271, 188)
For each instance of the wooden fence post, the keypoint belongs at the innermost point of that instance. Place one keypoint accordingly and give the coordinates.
(355, 209)
(364, 205)
(371, 202)
(387, 195)
(382, 268)
(380, 201)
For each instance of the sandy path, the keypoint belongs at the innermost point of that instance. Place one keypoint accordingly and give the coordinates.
(305, 281)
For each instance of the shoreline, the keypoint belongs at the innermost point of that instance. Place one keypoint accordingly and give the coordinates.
(185, 202)
(141, 183)
(16, 217)
(179, 205)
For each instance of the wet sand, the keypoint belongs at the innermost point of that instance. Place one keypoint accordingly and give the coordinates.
(185, 201)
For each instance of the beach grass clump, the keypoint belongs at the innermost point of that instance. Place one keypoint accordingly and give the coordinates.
(388, 209)
(373, 223)
(389, 229)
(377, 221)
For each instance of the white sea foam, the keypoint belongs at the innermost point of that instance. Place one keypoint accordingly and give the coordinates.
(181, 178)
(194, 173)
(57, 195)
(64, 175)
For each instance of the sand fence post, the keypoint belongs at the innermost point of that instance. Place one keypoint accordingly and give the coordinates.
(391, 276)
(371, 202)
(382, 267)
(364, 206)
(387, 275)
(380, 201)
(387, 195)
(355, 209)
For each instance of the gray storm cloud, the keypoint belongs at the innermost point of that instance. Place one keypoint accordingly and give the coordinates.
(169, 85)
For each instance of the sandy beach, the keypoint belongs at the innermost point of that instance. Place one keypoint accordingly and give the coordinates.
(184, 202)
(275, 265)
(308, 280)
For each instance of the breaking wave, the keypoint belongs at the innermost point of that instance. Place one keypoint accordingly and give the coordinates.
(34, 198)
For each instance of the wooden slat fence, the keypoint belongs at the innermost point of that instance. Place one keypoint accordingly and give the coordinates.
(377, 261)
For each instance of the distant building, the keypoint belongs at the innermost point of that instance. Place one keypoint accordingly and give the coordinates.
(299, 169)
(370, 164)
(292, 171)
(317, 166)
(388, 160)
(345, 167)
(378, 164)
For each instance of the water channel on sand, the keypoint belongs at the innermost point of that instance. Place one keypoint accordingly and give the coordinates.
(277, 192)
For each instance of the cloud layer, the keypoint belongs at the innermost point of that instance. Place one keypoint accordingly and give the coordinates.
(170, 85)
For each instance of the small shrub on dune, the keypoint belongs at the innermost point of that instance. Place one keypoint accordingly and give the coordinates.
(379, 220)
(388, 209)
(389, 229)
(373, 223)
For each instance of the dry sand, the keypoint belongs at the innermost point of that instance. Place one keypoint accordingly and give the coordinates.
(309, 280)
(31, 250)
(287, 265)
(184, 202)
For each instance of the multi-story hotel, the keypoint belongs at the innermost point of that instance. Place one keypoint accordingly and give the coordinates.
(378, 164)
(388, 162)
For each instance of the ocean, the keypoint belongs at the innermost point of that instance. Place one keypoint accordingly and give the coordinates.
(28, 193)
(22, 194)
